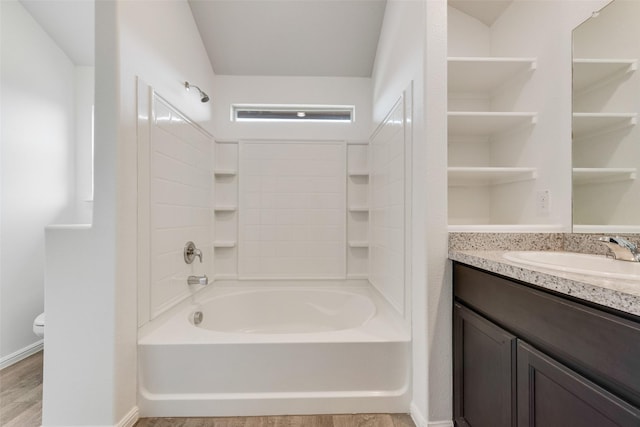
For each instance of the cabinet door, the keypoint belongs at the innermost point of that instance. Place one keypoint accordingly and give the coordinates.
(484, 372)
(552, 395)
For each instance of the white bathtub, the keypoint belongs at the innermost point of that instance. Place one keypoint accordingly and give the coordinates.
(276, 350)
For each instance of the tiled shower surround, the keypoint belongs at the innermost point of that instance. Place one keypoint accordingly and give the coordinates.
(570, 242)
(293, 221)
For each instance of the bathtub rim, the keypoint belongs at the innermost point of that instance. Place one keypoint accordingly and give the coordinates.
(174, 326)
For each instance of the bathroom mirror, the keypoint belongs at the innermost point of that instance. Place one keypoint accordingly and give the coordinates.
(606, 133)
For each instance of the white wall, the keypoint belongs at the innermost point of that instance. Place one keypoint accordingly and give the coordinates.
(412, 48)
(38, 166)
(132, 39)
(84, 76)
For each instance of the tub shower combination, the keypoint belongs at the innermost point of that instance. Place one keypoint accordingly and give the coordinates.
(330, 342)
(268, 349)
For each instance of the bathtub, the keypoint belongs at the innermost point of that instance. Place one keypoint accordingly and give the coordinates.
(271, 350)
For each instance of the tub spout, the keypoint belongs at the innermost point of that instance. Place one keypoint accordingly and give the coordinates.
(198, 280)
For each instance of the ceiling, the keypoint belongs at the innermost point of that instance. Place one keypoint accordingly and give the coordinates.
(69, 23)
(486, 11)
(290, 37)
(249, 37)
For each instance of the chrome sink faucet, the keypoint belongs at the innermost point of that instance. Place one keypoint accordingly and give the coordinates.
(621, 249)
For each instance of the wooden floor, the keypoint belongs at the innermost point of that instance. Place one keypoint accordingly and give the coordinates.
(21, 393)
(21, 406)
(358, 420)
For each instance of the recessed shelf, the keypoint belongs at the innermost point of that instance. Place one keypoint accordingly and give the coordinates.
(583, 176)
(225, 208)
(224, 244)
(363, 173)
(484, 74)
(358, 209)
(225, 172)
(588, 72)
(477, 176)
(358, 244)
(595, 123)
(487, 123)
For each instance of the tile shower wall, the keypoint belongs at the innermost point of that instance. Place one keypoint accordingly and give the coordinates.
(387, 176)
(292, 210)
(180, 202)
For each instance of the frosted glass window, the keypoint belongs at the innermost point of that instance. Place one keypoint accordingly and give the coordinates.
(295, 113)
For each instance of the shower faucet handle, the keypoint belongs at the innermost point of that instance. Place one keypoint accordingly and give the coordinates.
(191, 252)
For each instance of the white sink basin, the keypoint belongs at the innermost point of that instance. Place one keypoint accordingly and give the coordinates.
(593, 265)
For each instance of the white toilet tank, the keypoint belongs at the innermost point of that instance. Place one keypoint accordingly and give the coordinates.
(38, 325)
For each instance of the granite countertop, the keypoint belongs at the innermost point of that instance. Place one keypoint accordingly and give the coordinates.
(623, 295)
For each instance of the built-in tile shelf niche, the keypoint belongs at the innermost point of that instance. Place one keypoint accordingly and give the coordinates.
(225, 208)
(474, 127)
(358, 210)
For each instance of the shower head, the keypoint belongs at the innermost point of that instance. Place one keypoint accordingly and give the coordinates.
(203, 96)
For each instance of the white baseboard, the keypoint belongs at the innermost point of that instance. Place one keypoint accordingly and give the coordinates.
(23, 353)
(418, 417)
(421, 421)
(130, 418)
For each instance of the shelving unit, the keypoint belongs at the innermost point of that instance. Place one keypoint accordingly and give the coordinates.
(591, 72)
(604, 136)
(583, 176)
(489, 73)
(358, 210)
(226, 210)
(363, 209)
(477, 176)
(474, 81)
(227, 172)
(358, 244)
(487, 123)
(593, 124)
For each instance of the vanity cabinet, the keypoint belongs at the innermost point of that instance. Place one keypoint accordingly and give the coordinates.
(527, 357)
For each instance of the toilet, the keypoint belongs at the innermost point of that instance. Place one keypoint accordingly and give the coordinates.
(38, 325)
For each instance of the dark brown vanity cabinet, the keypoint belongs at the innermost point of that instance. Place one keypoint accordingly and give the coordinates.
(525, 357)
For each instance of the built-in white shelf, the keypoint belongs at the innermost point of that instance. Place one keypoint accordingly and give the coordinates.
(595, 123)
(358, 209)
(589, 72)
(484, 74)
(224, 244)
(358, 244)
(487, 123)
(364, 174)
(583, 176)
(229, 208)
(475, 176)
(225, 172)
